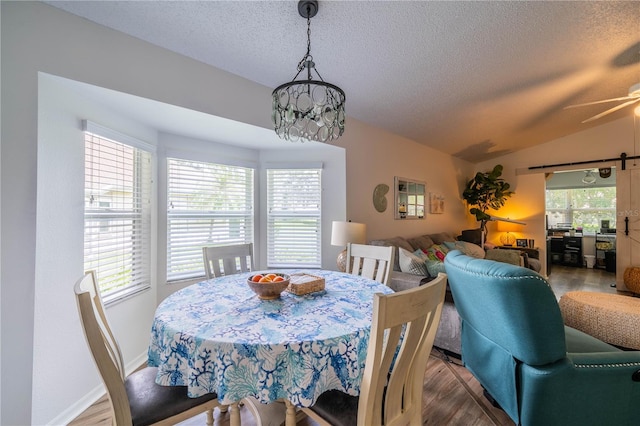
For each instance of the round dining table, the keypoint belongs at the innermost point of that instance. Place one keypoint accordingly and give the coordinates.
(218, 336)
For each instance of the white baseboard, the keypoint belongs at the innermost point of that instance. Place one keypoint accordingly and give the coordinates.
(92, 396)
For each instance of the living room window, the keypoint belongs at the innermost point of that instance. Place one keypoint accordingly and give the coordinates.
(117, 211)
(208, 204)
(581, 207)
(293, 218)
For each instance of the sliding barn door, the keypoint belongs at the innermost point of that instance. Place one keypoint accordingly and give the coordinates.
(627, 220)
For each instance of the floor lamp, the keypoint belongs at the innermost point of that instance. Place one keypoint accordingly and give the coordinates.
(343, 233)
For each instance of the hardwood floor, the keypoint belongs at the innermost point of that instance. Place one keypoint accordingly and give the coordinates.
(452, 396)
(568, 278)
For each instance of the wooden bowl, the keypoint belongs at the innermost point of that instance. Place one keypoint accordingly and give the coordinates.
(268, 290)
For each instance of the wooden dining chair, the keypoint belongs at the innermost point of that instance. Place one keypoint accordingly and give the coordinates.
(136, 399)
(227, 260)
(390, 395)
(374, 262)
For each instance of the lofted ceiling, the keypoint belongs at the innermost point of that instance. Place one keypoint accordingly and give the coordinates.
(473, 79)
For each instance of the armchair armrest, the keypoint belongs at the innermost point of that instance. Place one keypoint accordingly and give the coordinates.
(593, 375)
(624, 360)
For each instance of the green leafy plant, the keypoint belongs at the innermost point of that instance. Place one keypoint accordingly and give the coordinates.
(487, 190)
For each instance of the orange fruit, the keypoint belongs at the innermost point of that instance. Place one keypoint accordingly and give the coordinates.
(272, 276)
(278, 278)
(256, 278)
(265, 279)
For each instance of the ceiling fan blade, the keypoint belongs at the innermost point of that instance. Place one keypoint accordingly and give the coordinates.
(609, 111)
(624, 98)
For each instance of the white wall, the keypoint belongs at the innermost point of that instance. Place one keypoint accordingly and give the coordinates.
(528, 204)
(59, 254)
(38, 38)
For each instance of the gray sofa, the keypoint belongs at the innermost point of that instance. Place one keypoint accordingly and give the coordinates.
(449, 330)
(448, 334)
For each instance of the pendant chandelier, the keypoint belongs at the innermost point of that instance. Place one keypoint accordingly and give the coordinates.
(308, 109)
(589, 178)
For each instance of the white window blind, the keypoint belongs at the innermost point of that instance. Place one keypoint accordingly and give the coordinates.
(208, 204)
(117, 215)
(293, 219)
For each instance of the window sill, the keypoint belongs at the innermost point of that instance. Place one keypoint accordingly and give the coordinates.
(125, 295)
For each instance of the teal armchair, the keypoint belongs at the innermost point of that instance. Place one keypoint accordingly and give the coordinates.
(539, 371)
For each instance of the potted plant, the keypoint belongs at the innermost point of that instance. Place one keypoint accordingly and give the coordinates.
(487, 190)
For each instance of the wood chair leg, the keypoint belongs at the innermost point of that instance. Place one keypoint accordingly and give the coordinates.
(234, 414)
(290, 419)
(210, 417)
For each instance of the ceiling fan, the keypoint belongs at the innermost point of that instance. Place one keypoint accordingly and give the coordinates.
(633, 97)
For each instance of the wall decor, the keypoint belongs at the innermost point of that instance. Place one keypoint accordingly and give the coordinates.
(379, 197)
(522, 242)
(436, 203)
(410, 197)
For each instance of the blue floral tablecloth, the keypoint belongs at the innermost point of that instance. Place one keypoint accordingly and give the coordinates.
(217, 336)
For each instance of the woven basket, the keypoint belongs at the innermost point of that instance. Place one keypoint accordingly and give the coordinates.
(302, 283)
(632, 279)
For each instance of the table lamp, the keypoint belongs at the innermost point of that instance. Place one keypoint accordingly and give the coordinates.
(507, 238)
(343, 233)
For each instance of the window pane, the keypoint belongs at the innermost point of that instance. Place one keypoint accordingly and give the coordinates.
(209, 204)
(582, 207)
(293, 220)
(117, 215)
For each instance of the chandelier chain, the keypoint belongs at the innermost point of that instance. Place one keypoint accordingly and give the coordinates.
(307, 57)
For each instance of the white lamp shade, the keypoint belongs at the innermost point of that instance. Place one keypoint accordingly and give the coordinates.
(343, 233)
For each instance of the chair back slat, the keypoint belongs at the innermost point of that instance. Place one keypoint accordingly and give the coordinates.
(103, 345)
(410, 319)
(227, 260)
(373, 262)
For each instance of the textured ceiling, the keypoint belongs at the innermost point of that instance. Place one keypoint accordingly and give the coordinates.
(473, 79)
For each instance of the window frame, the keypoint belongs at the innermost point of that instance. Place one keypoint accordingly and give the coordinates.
(188, 212)
(569, 211)
(138, 254)
(311, 257)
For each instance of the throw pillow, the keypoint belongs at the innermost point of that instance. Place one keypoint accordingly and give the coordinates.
(421, 243)
(467, 248)
(436, 252)
(412, 264)
(441, 237)
(473, 250)
(454, 245)
(434, 266)
(505, 256)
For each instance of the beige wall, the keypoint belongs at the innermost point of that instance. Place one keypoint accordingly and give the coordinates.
(528, 204)
(375, 156)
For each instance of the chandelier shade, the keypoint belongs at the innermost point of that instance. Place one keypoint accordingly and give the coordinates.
(310, 109)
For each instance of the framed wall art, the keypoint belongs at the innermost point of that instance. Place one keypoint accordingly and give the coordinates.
(436, 203)
(410, 197)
